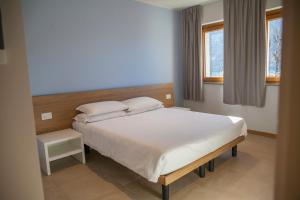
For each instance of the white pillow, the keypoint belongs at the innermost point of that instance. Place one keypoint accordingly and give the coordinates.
(141, 103)
(102, 107)
(84, 118)
(137, 111)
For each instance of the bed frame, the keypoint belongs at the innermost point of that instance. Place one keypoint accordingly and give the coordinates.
(199, 164)
(63, 110)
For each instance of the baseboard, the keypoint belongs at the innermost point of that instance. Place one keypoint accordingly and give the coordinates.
(260, 133)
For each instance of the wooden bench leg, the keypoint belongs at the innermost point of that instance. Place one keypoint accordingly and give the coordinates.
(202, 171)
(165, 192)
(211, 165)
(234, 151)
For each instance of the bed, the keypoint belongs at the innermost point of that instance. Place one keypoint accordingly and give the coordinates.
(160, 145)
(161, 141)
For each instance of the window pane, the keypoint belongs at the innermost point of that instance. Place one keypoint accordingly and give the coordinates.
(275, 40)
(214, 50)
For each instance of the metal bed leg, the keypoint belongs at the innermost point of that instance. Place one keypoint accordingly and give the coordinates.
(202, 171)
(86, 149)
(211, 165)
(234, 151)
(165, 192)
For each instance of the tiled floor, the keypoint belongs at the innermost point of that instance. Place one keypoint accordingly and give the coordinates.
(250, 176)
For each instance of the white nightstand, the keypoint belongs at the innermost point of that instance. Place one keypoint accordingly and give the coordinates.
(59, 144)
(182, 108)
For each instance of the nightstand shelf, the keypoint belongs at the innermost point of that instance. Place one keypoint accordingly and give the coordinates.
(59, 144)
(62, 150)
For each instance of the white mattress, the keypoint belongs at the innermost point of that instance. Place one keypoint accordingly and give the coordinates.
(158, 142)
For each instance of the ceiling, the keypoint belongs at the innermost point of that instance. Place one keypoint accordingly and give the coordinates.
(176, 4)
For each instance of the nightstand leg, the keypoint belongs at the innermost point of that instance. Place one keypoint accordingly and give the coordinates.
(81, 156)
(83, 152)
(48, 168)
(44, 158)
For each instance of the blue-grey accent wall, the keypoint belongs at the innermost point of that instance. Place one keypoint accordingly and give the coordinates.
(77, 45)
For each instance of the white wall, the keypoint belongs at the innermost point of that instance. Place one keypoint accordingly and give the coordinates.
(214, 11)
(20, 176)
(261, 119)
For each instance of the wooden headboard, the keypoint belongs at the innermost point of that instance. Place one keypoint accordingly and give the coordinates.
(63, 105)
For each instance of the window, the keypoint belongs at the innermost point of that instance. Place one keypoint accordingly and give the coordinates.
(274, 39)
(213, 49)
(213, 52)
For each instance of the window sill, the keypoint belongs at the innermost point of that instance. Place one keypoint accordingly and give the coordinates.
(222, 83)
(272, 84)
(273, 80)
(217, 80)
(213, 83)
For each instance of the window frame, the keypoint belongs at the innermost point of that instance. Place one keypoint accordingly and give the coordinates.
(205, 29)
(271, 15)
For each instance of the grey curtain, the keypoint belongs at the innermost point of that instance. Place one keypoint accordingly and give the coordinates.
(244, 52)
(193, 81)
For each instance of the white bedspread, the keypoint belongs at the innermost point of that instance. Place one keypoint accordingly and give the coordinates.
(158, 142)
